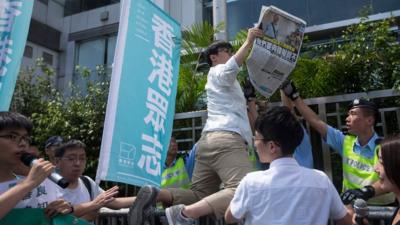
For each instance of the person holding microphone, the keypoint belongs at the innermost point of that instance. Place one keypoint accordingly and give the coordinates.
(34, 190)
(388, 167)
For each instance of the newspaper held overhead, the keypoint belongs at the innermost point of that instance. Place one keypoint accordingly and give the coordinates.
(274, 55)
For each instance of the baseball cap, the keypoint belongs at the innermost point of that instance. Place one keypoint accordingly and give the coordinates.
(53, 141)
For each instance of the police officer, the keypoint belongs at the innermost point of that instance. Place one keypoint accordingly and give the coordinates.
(50, 145)
(358, 148)
(174, 174)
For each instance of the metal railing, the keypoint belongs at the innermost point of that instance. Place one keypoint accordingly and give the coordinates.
(120, 217)
(376, 216)
(332, 109)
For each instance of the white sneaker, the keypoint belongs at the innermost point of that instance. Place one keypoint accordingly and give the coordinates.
(175, 217)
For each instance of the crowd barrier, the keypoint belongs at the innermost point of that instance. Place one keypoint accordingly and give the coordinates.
(377, 216)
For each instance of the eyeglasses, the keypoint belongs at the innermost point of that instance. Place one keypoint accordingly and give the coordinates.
(17, 138)
(257, 138)
(74, 159)
(264, 139)
(229, 51)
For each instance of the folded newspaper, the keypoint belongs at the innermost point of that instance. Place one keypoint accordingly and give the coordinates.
(274, 55)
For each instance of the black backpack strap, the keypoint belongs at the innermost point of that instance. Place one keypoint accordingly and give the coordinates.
(88, 186)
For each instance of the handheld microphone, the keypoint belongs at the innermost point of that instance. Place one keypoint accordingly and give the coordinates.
(361, 210)
(30, 160)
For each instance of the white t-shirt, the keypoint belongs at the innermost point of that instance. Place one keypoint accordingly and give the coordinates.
(226, 105)
(80, 194)
(287, 194)
(39, 197)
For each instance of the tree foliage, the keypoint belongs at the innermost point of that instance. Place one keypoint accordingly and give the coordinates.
(192, 80)
(79, 116)
(365, 58)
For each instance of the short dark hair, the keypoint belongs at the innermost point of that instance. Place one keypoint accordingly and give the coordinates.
(213, 49)
(71, 144)
(279, 125)
(53, 141)
(390, 151)
(15, 120)
(370, 112)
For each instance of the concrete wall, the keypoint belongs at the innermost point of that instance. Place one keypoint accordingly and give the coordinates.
(79, 26)
(186, 12)
(89, 24)
(37, 52)
(51, 14)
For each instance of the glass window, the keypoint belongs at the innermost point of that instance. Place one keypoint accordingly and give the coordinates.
(242, 14)
(77, 6)
(47, 58)
(91, 54)
(28, 51)
(112, 41)
(44, 1)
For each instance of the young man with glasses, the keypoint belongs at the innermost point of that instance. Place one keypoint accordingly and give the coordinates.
(34, 190)
(221, 155)
(286, 193)
(83, 193)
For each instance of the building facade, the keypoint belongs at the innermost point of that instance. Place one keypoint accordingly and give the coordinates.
(66, 33)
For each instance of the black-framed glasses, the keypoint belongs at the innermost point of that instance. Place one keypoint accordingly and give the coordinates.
(17, 138)
(229, 51)
(257, 138)
(72, 159)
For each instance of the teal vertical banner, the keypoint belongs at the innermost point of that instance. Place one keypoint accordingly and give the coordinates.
(15, 16)
(141, 103)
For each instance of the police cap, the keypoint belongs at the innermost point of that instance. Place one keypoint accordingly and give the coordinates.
(53, 141)
(362, 103)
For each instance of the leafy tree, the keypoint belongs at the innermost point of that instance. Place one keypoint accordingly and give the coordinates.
(367, 57)
(192, 78)
(31, 89)
(73, 117)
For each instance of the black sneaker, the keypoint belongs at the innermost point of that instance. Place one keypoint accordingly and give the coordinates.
(141, 208)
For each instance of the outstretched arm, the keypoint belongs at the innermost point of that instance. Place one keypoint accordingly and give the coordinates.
(309, 115)
(286, 101)
(241, 54)
(252, 113)
(119, 203)
(93, 206)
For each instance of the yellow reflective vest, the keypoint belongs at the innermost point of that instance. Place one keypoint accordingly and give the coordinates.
(176, 176)
(358, 171)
